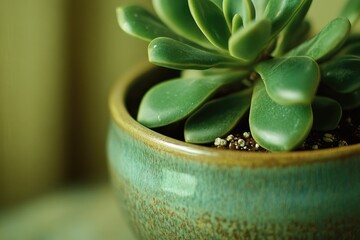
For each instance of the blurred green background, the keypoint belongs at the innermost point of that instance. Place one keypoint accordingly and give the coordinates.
(58, 60)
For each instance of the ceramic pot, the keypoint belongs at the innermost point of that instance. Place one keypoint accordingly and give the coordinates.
(175, 190)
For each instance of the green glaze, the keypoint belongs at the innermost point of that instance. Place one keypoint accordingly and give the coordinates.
(175, 190)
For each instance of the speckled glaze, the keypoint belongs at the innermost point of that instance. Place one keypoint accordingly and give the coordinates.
(174, 190)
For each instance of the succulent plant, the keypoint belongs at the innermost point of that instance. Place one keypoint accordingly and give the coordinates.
(251, 58)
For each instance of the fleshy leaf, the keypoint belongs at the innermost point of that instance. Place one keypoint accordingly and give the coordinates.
(218, 3)
(290, 81)
(327, 114)
(174, 100)
(217, 117)
(260, 6)
(237, 23)
(244, 8)
(139, 22)
(299, 36)
(210, 19)
(278, 127)
(351, 10)
(247, 43)
(326, 42)
(289, 33)
(170, 53)
(176, 14)
(351, 49)
(347, 101)
(352, 39)
(280, 12)
(342, 74)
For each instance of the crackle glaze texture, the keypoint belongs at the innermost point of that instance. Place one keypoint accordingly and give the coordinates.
(173, 190)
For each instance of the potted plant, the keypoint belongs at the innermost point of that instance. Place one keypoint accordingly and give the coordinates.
(243, 64)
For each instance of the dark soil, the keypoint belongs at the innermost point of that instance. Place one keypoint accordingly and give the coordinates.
(347, 133)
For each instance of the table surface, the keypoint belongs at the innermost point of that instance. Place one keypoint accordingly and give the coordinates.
(88, 213)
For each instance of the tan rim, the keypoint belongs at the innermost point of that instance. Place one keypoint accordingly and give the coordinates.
(208, 155)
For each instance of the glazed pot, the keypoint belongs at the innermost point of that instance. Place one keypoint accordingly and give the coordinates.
(175, 190)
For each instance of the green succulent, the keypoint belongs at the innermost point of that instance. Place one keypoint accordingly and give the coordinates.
(251, 58)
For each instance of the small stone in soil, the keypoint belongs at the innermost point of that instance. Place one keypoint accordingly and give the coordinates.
(346, 134)
(242, 142)
(230, 137)
(219, 142)
(246, 134)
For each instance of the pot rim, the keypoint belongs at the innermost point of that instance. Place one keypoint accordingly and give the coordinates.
(203, 154)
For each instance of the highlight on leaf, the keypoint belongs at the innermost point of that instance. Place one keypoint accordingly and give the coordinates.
(290, 81)
(176, 99)
(326, 42)
(248, 60)
(139, 22)
(170, 53)
(278, 127)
